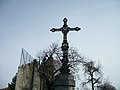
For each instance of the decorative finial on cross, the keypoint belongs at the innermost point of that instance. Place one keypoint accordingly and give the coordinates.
(65, 29)
(65, 22)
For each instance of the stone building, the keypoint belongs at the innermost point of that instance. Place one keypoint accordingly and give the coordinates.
(28, 77)
(33, 75)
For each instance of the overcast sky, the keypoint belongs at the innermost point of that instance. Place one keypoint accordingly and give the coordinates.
(26, 24)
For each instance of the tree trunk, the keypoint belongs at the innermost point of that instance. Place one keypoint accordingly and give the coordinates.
(92, 82)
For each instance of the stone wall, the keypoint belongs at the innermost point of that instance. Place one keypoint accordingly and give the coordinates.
(25, 80)
(36, 80)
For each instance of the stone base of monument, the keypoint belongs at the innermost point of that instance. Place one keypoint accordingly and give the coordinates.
(64, 82)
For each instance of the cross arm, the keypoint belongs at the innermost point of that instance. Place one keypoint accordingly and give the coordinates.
(74, 29)
(57, 29)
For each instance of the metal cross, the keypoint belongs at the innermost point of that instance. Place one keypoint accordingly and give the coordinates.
(65, 29)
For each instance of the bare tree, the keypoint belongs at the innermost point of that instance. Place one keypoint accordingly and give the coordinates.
(92, 74)
(50, 62)
(46, 71)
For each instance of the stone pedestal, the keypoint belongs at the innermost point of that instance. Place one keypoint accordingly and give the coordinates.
(64, 82)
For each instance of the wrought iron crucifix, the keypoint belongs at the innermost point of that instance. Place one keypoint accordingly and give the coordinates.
(65, 29)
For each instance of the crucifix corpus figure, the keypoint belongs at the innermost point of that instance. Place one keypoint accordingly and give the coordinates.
(65, 29)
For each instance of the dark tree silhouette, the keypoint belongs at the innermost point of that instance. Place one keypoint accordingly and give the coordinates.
(92, 74)
(11, 86)
(50, 62)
